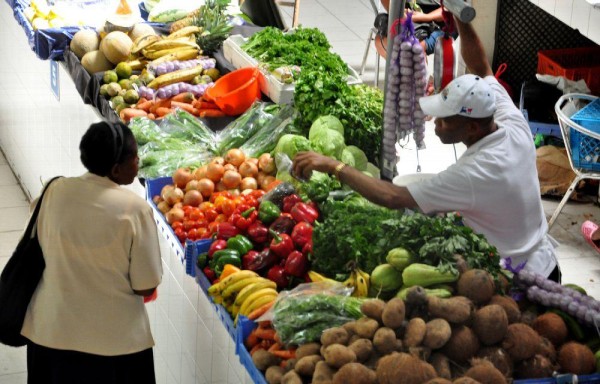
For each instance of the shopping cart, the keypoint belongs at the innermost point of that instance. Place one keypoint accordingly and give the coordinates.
(581, 142)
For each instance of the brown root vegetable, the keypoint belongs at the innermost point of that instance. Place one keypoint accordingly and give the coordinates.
(264, 359)
(373, 308)
(513, 313)
(384, 340)
(551, 326)
(490, 324)
(291, 377)
(421, 352)
(521, 341)
(441, 364)
(354, 373)
(537, 367)
(437, 333)
(373, 360)
(415, 332)
(274, 374)
(462, 346)
(337, 335)
(349, 327)
(306, 365)
(365, 327)
(457, 309)
(528, 317)
(438, 380)
(363, 348)
(393, 313)
(353, 338)
(476, 284)
(323, 373)
(289, 364)
(337, 355)
(416, 296)
(576, 358)
(546, 348)
(307, 350)
(465, 380)
(499, 358)
(402, 368)
(485, 372)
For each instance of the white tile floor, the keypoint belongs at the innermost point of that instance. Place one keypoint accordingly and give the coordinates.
(346, 23)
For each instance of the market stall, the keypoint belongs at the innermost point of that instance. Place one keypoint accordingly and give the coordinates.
(268, 276)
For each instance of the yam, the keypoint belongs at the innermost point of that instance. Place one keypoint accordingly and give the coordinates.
(465, 380)
(499, 358)
(307, 350)
(485, 372)
(537, 367)
(393, 313)
(437, 333)
(457, 309)
(415, 332)
(337, 355)
(490, 324)
(384, 340)
(477, 285)
(576, 358)
(546, 348)
(373, 308)
(337, 335)
(551, 326)
(365, 327)
(323, 373)
(289, 364)
(363, 348)
(441, 364)
(521, 341)
(306, 365)
(462, 346)
(274, 374)
(354, 373)
(291, 377)
(402, 368)
(264, 359)
(510, 306)
(439, 380)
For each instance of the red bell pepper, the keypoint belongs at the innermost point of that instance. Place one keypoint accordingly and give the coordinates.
(289, 201)
(277, 274)
(225, 230)
(255, 261)
(307, 250)
(283, 224)
(216, 245)
(304, 212)
(302, 234)
(210, 274)
(281, 244)
(296, 264)
(257, 232)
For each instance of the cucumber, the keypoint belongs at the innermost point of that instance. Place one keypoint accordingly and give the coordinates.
(167, 16)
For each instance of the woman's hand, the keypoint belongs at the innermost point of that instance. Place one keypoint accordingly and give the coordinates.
(306, 162)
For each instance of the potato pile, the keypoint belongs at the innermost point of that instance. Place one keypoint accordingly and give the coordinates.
(474, 337)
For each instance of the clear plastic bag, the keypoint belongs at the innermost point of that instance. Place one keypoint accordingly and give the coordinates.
(301, 315)
(266, 138)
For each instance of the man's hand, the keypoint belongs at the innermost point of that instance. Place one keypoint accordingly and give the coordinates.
(472, 50)
(306, 162)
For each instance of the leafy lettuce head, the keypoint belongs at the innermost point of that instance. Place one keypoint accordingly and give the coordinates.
(355, 157)
(323, 123)
(291, 144)
(329, 143)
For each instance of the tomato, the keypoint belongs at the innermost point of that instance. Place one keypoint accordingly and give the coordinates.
(211, 214)
(202, 232)
(228, 207)
(212, 227)
(192, 234)
(206, 206)
(176, 224)
(187, 209)
(251, 201)
(188, 224)
(201, 223)
(257, 193)
(220, 218)
(196, 214)
(181, 234)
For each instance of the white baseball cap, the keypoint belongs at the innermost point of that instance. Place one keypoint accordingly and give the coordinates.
(467, 95)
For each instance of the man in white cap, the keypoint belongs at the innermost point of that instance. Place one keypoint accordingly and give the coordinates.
(494, 185)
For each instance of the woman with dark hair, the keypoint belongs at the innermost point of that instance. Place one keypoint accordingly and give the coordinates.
(86, 322)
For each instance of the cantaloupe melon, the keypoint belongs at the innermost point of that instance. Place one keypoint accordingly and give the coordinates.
(141, 29)
(95, 61)
(116, 46)
(84, 41)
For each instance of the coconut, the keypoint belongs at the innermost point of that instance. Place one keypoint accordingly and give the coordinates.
(499, 358)
(510, 307)
(576, 358)
(551, 326)
(521, 341)
(462, 346)
(477, 285)
(537, 367)
(402, 368)
(490, 324)
(485, 372)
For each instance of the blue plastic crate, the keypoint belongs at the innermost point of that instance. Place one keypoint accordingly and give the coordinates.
(244, 327)
(566, 378)
(585, 151)
(192, 250)
(202, 280)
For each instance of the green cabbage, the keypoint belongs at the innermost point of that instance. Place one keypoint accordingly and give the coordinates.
(291, 144)
(324, 123)
(355, 157)
(329, 143)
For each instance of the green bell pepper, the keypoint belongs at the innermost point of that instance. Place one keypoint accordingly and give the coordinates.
(202, 260)
(232, 258)
(240, 243)
(222, 253)
(268, 212)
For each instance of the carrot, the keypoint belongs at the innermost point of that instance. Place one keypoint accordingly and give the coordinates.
(272, 185)
(145, 105)
(160, 112)
(160, 103)
(184, 97)
(251, 340)
(185, 106)
(255, 348)
(200, 104)
(265, 334)
(210, 113)
(275, 347)
(285, 354)
(129, 113)
(258, 312)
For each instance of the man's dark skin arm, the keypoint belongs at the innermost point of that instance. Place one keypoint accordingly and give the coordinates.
(471, 50)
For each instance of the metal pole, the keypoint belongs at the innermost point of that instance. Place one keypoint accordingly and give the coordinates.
(462, 9)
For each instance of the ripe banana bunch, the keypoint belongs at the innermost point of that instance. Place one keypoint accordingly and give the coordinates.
(243, 292)
(316, 277)
(359, 280)
(177, 46)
